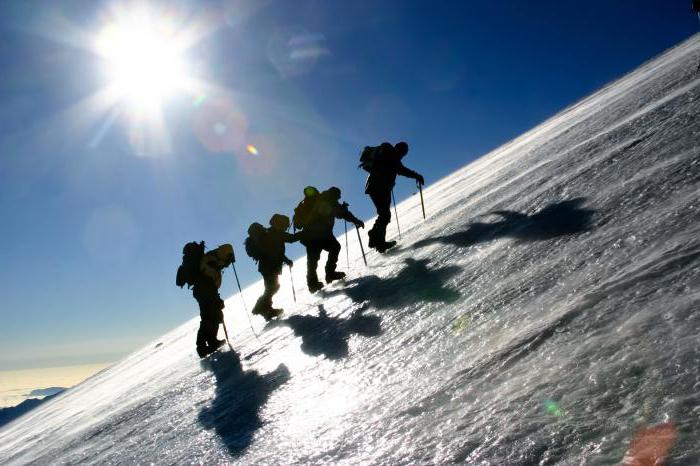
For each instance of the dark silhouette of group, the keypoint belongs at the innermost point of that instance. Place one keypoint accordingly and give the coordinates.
(313, 223)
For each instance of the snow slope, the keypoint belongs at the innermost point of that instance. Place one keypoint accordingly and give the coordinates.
(547, 310)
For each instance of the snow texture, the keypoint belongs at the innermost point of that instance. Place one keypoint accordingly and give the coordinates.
(547, 310)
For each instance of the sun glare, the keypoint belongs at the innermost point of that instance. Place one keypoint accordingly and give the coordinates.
(144, 59)
(144, 50)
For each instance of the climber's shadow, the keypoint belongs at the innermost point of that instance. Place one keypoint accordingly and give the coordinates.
(414, 283)
(562, 218)
(239, 396)
(327, 335)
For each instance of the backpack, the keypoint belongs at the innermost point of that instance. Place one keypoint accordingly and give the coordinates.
(189, 270)
(254, 242)
(369, 155)
(213, 263)
(303, 212)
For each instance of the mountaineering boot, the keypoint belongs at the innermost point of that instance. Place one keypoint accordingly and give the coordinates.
(314, 286)
(265, 309)
(260, 308)
(218, 344)
(385, 246)
(332, 276)
(372, 239)
(204, 351)
(272, 313)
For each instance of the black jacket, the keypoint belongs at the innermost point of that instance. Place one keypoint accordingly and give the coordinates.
(387, 165)
(322, 217)
(273, 256)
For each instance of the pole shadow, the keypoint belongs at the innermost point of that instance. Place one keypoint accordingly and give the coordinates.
(328, 336)
(234, 411)
(562, 218)
(414, 283)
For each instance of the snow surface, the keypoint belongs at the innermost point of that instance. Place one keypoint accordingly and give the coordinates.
(546, 311)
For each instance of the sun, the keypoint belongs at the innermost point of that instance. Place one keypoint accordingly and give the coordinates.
(143, 52)
(144, 58)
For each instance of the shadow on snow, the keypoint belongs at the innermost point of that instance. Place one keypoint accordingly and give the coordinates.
(328, 336)
(414, 283)
(557, 219)
(233, 413)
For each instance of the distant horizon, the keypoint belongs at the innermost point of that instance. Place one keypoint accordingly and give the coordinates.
(17, 385)
(34, 364)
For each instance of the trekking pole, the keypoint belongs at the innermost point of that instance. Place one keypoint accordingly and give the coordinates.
(396, 213)
(240, 291)
(422, 204)
(226, 335)
(359, 240)
(347, 249)
(291, 278)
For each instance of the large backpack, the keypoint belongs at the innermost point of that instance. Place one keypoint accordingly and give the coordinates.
(369, 155)
(189, 270)
(304, 212)
(254, 243)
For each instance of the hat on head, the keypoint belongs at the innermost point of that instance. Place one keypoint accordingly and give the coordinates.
(310, 191)
(335, 191)
(279, 222)
(401, 148)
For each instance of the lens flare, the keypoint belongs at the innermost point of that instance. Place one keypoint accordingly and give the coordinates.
(221, 126)
(252, 150)
(461, 324)
(199, 100)
(651, 445)
(552, 408)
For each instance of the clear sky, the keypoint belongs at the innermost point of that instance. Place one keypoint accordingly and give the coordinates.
(99, 190)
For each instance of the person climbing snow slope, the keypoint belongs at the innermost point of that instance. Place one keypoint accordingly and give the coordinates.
(383, 163)
(267, 247)
(315, 216)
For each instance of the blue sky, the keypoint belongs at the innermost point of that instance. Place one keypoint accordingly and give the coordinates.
(94, 215)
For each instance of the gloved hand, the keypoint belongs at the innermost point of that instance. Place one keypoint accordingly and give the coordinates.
(419, 179)
(359, 224)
